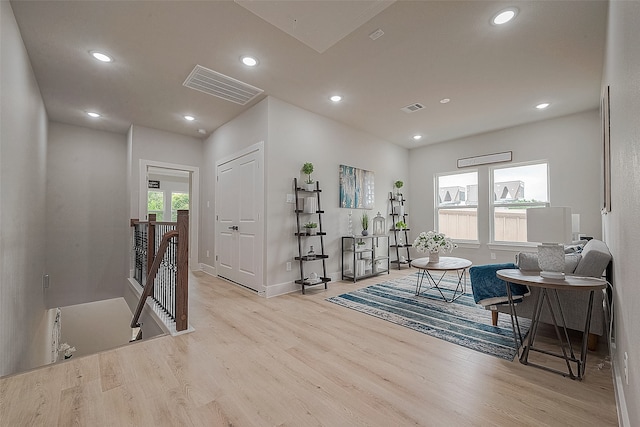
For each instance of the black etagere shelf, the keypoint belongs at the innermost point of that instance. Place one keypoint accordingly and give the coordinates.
(305, 238)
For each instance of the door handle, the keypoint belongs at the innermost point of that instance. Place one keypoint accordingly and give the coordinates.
(233, 227)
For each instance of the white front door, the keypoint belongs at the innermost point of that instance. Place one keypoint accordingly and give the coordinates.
(239, 225)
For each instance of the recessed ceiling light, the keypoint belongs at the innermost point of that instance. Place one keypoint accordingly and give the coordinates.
(445, 101)
(336, 98)
(504, 16)
(417, 137)
(542, 106)
(93, 114)
(100, 56)
(249, 61)
(189, 118)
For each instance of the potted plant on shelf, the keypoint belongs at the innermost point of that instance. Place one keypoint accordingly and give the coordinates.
(311, 227)
(398, 184)
(365, 224)
(307, 169)
(400, 225)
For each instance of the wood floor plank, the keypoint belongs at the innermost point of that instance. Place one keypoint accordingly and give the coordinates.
(299, 360)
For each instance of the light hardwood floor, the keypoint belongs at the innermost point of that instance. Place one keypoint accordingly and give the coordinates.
(297, 360)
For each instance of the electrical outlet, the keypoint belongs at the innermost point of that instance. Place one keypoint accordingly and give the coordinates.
(289, 266)
(493, 255)
(626, 368)
(290, 198)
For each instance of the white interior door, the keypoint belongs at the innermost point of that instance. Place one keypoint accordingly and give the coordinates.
(239, 226)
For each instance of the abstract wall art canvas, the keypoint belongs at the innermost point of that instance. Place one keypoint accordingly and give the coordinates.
(356, 188)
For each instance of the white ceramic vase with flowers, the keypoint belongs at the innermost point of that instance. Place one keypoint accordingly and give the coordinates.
(434, 244)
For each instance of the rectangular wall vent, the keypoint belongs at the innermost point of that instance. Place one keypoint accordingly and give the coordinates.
(225, 87)
(411, 108)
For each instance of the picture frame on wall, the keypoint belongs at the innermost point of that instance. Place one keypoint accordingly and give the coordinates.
(606, 150)
(356, 188)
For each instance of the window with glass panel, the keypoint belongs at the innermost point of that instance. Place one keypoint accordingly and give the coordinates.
(155, 204)
(179, 201)
(515, 189)
(457, 205)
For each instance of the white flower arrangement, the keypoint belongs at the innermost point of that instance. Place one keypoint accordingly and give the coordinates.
(433, 241)
(67, 350)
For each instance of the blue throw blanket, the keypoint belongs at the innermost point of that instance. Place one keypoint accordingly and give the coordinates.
(489, 290)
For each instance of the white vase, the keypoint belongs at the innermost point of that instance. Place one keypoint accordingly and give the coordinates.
(310, 187)
(434, 257)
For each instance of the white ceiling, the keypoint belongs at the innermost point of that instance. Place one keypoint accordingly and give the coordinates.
(553, 51)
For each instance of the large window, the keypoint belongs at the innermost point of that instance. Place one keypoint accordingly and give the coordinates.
(179, 201)
(457, 205)
(515, 189)
(155, 204)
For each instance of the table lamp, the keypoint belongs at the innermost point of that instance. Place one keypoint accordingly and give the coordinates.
(551, 227)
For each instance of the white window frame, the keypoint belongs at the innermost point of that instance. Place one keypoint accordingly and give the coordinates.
(493, 204)
(436, 204)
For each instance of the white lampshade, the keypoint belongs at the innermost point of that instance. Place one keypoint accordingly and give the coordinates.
(551, 227)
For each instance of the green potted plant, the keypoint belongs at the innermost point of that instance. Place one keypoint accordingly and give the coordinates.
(311, 227)
(307, 169)
(365, 224)
(398, 184)
(400, 225)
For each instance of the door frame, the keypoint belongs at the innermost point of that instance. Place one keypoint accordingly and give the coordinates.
(194, 201)
(259, 148)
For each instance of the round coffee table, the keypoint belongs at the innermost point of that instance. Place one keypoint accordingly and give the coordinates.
(445, 264)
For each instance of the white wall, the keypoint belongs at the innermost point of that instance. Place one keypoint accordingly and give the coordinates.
(87, 219)
(620, 226)
(571, 145)
(245, 130)
(23, 139)
(292, 137)
(297, 136)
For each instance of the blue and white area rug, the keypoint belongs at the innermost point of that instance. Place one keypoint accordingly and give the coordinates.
(462, 322)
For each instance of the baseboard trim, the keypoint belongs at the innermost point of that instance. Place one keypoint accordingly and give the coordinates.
(621, 403)
(208, 269)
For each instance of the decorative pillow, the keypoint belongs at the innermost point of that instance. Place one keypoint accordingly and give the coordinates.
(527, 261)
(571, 261)
(571, 249)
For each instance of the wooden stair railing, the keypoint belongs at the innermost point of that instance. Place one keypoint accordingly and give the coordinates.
(155, 260)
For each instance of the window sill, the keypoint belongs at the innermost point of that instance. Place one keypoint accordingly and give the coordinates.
(467, 244)
(512, 247)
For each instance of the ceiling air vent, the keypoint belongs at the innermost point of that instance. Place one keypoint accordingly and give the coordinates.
(225, 87)
(412, 108)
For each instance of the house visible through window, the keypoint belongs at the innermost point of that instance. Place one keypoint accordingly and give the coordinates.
(457, 205)
(515, 189)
